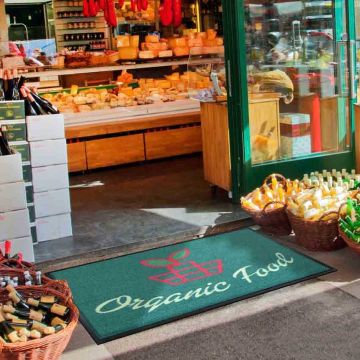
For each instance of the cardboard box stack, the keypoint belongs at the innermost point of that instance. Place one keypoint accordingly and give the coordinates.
(15, 182)
(295, 135)
(50, 178)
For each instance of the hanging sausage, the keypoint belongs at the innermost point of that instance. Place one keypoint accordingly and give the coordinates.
(121, 3)
(111, 13)
(139, 5)
(133, 5)
(144, 4)
(166, 13)
(177, 20)
(86, 8)
(92, 8)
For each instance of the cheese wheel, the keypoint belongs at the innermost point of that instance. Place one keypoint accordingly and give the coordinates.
(134, 41)
(212, 42)
(165, 53)
(201, 35)
(196, 50)
(128, 53)
(195, 42)
(162, 84)
(123, 41)
(211, 34)
(127, 91)
(181, 51)
(155, 46)
(177, 42)
(219, 41)
(152, 38)
(146, 54)
(213, 50)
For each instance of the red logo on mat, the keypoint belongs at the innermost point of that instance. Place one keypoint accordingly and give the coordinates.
(181, 272)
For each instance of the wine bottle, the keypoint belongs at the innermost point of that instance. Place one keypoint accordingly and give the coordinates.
(46, 105)
(9, 81)
(2, 85)
(55, 308)
(7, 249)
(29, 110)
(17, 298)
(7, 331)
(21, 82)
(15, 91)
(37, 107)
(4, 146)
(33, 315)
(5, 139)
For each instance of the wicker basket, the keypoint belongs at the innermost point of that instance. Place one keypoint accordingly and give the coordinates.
(49, 347)
(274, 221)
(320, 235)
(23, 265)
(354, 246)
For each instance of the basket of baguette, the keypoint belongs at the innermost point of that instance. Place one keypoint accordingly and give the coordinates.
(266, 205)
(314, 215)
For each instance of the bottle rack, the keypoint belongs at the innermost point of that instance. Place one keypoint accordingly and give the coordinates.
(72, 27)
(82, 36)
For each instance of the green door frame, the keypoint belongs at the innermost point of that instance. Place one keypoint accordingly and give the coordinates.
(246, 176)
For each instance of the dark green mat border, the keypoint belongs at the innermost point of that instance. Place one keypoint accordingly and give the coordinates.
(100, 341)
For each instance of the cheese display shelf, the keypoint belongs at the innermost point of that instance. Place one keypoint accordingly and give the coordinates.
(131, 66)
(133, 112)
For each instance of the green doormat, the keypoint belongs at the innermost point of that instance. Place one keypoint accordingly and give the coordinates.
(121, 296)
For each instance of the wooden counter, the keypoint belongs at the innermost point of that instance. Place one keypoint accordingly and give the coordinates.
(129, 140)
(264, 123)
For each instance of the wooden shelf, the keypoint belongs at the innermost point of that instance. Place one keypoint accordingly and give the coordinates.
(146, 65)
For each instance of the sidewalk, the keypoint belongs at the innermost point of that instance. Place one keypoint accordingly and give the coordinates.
(317, 319)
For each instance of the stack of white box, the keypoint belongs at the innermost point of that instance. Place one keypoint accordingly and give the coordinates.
(50, 177)
(14, 214)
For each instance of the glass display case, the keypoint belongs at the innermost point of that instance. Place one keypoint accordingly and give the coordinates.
(293, 86)
(292, 51)
(207, 77)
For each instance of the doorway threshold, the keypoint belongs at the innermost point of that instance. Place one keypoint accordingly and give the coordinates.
(125, 249)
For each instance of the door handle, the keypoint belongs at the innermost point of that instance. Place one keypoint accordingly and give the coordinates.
(228, 71)
(341, 47)
(352, 54)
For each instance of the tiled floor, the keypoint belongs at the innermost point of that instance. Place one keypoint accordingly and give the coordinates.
(317, 319)
(139, 203)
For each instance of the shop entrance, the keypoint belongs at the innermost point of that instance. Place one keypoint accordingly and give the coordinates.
(137, 172)
(291, 65)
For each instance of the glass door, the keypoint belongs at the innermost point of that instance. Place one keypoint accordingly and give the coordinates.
(297, 82)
